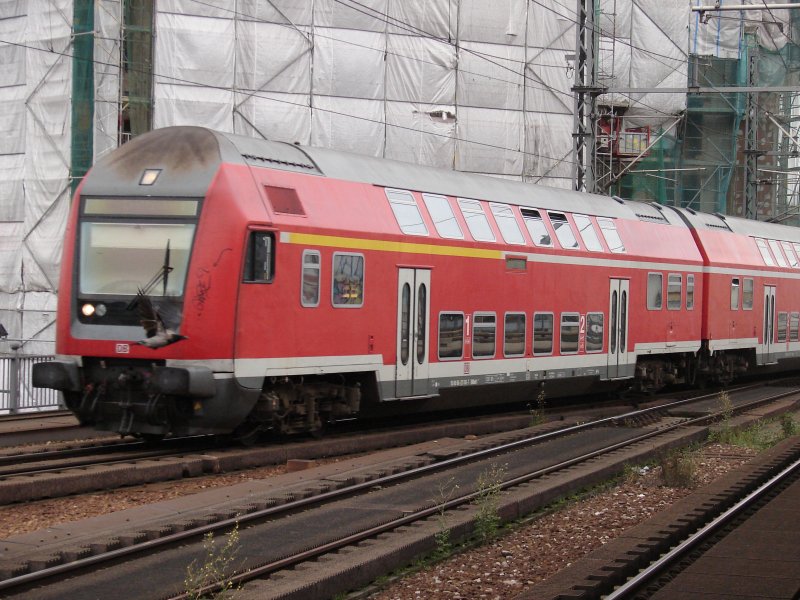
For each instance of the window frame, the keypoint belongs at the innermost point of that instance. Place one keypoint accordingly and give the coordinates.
(736, 292)
(777, 252)
(248, 274)
(538, 218)
(745, 304)
(608, 224)
(524, 315)
(439, 335)
(427, 199)
(766, 255)
(363, 279)
(406, 198)
(469, 214)
(782, 335)
(476, 326)
(672, 305)
(563, 221)
(303, 268)
(552, 333)
(561, 329)
(588, 233)
(788, 250)
(660, 298)
(504, 217)
(602, 332)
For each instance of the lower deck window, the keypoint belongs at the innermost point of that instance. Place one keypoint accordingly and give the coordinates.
(484, 329)
(570, 329)
(655, 292)
(310, 280)
(514, 335)
(783, 321)
(542, 333)
(451, 335)
(794, 327)
(594, 332)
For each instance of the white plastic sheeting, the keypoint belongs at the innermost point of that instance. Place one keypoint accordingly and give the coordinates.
(720, 34)
(440, 82)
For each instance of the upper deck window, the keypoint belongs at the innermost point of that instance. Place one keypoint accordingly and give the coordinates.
(777, 253)
(564, 233)
(536, 228)
(406, 212)
(476, 220)
(443, 217)
(507, 223)
(787, 248)
(762, 247)
(609, 230)
(588, 234)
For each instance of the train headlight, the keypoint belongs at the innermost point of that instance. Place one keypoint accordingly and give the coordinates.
(94, 310)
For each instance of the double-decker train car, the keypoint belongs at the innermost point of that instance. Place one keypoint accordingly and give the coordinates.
(214, 283)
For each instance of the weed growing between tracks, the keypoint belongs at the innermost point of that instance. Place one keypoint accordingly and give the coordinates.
(487, 520)
(444, 547)
(537, 414)
(215, 567)
(679, 468)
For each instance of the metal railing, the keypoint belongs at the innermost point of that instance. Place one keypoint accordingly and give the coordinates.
(16, 392)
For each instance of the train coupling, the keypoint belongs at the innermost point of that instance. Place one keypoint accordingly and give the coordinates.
(56, 375)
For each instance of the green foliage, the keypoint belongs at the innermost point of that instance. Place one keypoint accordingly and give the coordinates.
(789, 427)
(214, 568)
(487, 521)
(444, 546)
(679, 468)
(537, 414)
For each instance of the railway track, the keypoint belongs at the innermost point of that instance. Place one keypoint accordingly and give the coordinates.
(314, 518)
(657, 577)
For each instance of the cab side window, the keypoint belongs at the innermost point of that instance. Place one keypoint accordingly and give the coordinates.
(259, 263)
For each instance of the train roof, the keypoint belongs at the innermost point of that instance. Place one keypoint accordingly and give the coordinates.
(739, 225)
(396, 174)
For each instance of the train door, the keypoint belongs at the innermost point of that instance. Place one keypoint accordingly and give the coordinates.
(768, 354)
(413, 332)
(618, 328)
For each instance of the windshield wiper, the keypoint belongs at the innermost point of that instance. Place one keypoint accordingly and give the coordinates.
(161, 275)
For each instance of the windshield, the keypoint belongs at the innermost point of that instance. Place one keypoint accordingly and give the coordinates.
(121, 258)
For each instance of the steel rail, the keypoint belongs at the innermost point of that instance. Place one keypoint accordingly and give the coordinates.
(664, 562)
(354, 489)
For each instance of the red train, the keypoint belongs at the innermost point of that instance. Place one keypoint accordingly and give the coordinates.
(214, 283)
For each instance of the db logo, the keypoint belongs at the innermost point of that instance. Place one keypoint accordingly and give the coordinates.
(123, 349)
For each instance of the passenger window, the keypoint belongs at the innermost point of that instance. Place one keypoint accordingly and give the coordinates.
(674, 285)
(476, 220)
(762, 247)
(794, 327)
(588, 234)
(406, 212)
(536, 228)
(514, 335)
(443, 218)
(507, 223)
(747, 294)
(609, 230)
(309, 284)
(777, 253)
(570, 329)
(483, 335)
(564, 233)
(654, 291)
(735, 293)
(451, 335)
(782, 326)
(796, 249)
(594, 332)
(790, 255)
(689, 292)
(542, 333)
(259, 264)
(348, 280)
